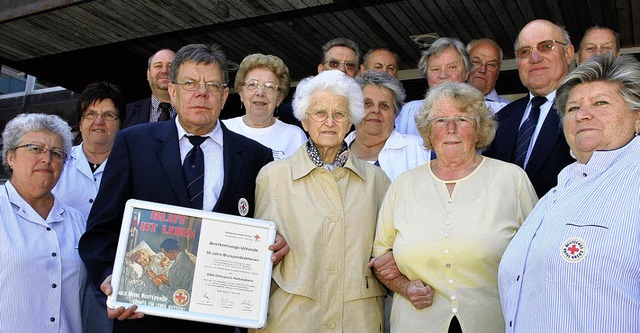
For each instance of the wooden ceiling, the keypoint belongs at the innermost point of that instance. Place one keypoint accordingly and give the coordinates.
(72, 43)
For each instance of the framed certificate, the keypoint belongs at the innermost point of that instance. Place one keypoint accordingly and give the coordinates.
(195, 265)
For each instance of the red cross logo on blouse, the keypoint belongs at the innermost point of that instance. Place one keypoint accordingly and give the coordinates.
(573, 250)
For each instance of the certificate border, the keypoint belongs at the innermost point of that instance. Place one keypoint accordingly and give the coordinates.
(119, 262)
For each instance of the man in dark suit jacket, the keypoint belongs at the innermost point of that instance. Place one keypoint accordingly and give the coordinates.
(146, 164)
(148, 110)
(543, 55)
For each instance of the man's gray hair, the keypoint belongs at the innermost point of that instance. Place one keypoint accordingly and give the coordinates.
(200, 54)
(340, 41)
(367, 55)
(474, 42)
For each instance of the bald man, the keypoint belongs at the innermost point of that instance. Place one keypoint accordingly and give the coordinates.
(158, 106)
(529, 132)
(486, 59)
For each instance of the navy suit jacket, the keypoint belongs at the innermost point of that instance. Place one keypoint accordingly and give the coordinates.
(550, 152)
(138, 112)
(145, 164)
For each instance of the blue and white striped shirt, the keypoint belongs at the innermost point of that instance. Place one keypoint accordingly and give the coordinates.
(574, 266)
(42, 276)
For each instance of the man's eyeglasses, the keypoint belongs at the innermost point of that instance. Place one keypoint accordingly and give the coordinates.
(542, 47)
(322, 116)
(211, 86)
(462, 121)
(491, 66)
(335, 64)
(268, 87)
(107, 115)
(35, 149)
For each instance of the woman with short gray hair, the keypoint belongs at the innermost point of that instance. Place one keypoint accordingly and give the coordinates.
(474, 205)
(446, 60)
(39, 234)
(324, 282)
(579, 245)
(374, 139)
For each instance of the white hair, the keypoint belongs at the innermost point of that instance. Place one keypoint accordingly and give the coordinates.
(335, 82)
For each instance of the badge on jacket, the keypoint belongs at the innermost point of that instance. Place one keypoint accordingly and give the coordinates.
(243, 207)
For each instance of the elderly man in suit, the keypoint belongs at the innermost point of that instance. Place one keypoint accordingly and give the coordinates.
(529, 132)
(146, 163)
(158, 106)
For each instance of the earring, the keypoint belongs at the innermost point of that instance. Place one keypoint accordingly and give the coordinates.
(241, 104)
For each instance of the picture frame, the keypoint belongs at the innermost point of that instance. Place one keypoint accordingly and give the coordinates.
(191, 264)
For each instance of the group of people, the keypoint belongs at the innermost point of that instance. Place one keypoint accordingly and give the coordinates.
(436, 199)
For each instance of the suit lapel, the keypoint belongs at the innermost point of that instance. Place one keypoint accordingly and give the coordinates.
(509, 122)
(547, 138)
(168, 146)
(233, 166)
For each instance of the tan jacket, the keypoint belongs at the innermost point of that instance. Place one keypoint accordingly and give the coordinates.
(328, 219)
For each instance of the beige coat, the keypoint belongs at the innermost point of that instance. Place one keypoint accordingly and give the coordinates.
(328, 219)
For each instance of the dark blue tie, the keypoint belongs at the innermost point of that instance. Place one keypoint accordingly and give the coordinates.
(193, 169)
(165, 111)
(525, 133)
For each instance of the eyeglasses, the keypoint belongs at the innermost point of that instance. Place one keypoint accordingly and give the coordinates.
(211, 86)
(462, 121)
(107, 115)
(542, 47)
(335, 64)
(269, 87)
(322, 116)
(492, 66)
(34, 149)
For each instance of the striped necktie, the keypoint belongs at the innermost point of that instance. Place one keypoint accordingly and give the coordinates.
(525, 133)
(193, 170)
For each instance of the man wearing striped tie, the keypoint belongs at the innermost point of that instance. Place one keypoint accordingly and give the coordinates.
(529, 132)
(191, 160)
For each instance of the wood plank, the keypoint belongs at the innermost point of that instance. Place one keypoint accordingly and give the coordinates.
(459, 20)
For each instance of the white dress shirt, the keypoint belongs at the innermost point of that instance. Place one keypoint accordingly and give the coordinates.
(213, 162)
(494, 102)
(406, 120)
(42, 279)
(401, 152)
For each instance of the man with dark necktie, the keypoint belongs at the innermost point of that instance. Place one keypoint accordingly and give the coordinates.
(157, 107)
(191, 160)
(529, 132)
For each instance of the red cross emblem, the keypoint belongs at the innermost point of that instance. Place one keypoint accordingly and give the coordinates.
(181, 297)
(243, 207)
(573, 250)
(257, 237)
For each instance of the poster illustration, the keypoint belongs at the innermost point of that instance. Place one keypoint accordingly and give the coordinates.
(194, 265)
(160, 260)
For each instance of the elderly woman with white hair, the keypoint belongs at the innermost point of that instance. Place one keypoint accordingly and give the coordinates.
(42, 277)
(324, 201)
